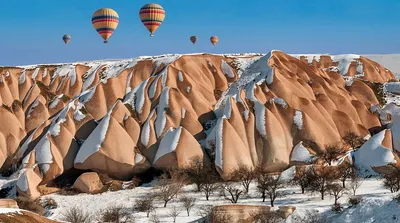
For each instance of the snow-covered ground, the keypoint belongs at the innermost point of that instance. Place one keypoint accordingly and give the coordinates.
(376, 207)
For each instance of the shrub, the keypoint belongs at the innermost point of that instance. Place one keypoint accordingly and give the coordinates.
(337, 208)
(116, 214)
(49, 203)
(30, 205)
(145, 204)
(355, 200)
(76, 215)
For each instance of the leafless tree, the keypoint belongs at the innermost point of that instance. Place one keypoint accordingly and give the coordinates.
(115, 214)
(209, 182)
(332, 152)
(353, 140)
(230, 191)
(355, 183)
(301, 179)
(167, 189)
(319, 179)
(174, 213)
(196, 171)
(245, 175)
(269, 185)
(188, 203)
(336, 191)
(154, 217)
(392, 180)
(145, 204)
(346, 171)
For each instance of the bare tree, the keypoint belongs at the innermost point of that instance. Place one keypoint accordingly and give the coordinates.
(392, 180)
(353, 140)
(145, 204)
(336, 191)
(355, 183)
(195, 171)
(332, 152)
(115, 214)
(245, 175)
(346, 171)
(209, 186)
(301, 179)
(154, 217)
(174, 213)
(188, 203)
(167, 189)
(230, 191)
(319, 179)
(269, 185)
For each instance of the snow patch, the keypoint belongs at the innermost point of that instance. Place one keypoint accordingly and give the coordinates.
(180, 76)
(301, 154)
(22, 77)
(260, 118)
(227, 70)
(298, 119)
(168, 143)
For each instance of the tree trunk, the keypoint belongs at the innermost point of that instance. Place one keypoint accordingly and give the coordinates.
(188, 213)
(207, 196)
(272, 203)
(302, 190)
(263, 197)
(344, 183)
(322, 195)
(165, 203)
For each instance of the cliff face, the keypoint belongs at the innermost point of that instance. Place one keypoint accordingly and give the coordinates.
(123, 117)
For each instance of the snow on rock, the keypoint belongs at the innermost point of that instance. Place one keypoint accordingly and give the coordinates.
(10, 210)
(138, 158)
(137, 96)
(78, 115)
(219, 128)
(332, 69)
(180, 76)
(382, 114)
(43, 155)
(128, 83)
(349, 81)
(66, 70)
(22, 77)
(89, 76)
(298, 119)
(260, 118)
(35, 73)
(22, 182)
(301, 154)
(373, 154)
(227, 70)
(309, 57)
(168, 143)
(288, 174)
(394, 111)
(280, 101)
(145, 136)
(55, 102)
(188, 89)
(183, 112)
(93, 143)
(161, 119)
(34, 105)
(393, 87)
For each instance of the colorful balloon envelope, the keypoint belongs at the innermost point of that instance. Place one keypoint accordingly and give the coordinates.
(66, 38)
(105, 21)
(152, 15)
(193, 39)
(214, 40)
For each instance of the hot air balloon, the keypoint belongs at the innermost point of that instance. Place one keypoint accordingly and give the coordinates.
(193, 39)
(66, 38)
(152, 15)
(214, 40)
(105, 21)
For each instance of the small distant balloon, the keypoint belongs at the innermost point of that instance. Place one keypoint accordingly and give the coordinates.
(152, 16)
(214, 40)
(66, 38)
(105, 21)
(193, 39)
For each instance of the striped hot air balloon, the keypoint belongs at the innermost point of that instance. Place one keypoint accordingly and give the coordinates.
(66, 38)
(214, 40)
(105, 21)
(152, 15)
(193, 39)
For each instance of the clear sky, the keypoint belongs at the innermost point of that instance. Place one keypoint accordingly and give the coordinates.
(32, 29)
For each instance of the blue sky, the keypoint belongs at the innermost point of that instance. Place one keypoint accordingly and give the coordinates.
(32, 30)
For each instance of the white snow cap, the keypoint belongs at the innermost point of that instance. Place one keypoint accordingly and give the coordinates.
(168, 143)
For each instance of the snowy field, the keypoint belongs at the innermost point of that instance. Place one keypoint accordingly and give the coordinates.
(377, 205)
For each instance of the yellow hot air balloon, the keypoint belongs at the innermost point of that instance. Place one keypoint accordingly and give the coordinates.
(193, 39)
(214, 40)
(66, 38)
(105, 21)
(152, 15)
